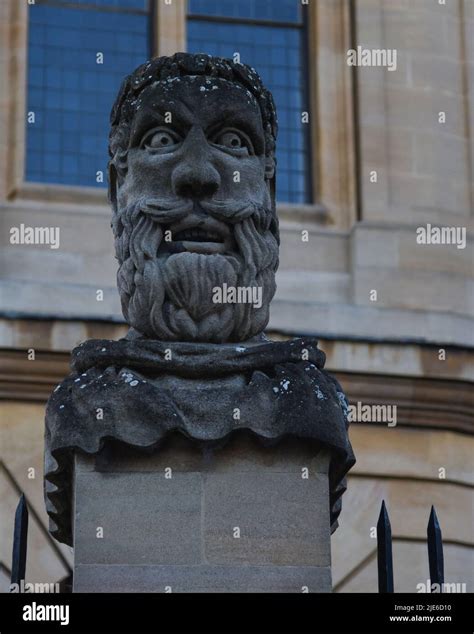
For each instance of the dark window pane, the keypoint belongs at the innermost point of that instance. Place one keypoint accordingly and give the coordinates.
(117, 4)
(70, 93)
(274, 10)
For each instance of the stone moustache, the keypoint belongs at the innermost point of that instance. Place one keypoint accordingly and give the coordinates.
(192, 189)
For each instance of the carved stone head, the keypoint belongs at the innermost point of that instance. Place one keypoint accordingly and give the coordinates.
(191, 183)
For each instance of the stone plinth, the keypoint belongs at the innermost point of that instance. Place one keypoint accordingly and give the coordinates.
(239, 518)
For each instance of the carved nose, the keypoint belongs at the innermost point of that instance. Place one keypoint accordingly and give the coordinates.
(195, 181)
(195, 176)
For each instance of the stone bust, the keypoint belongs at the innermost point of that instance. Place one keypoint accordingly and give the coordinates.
(191, 185)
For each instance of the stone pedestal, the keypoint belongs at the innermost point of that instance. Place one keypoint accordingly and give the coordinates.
(186, 518)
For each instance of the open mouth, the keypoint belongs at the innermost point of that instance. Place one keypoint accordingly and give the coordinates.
(197, 234)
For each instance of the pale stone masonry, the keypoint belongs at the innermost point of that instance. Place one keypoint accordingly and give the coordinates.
(241, 519)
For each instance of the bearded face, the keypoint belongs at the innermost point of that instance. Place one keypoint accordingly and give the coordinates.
(193, 214)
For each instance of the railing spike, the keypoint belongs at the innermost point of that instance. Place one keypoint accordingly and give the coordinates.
(20, 537)
(435, 550)
(384, 551)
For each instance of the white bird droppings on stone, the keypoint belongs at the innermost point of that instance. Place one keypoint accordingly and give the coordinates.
(319, 394)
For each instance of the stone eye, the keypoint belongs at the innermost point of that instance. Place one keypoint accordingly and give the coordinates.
(160, 139)
(232, 140)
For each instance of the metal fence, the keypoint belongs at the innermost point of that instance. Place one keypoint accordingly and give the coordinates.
(384, 549)
(20, 539)
(385, 557)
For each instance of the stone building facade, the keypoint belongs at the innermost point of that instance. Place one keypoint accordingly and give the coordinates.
(391, 152)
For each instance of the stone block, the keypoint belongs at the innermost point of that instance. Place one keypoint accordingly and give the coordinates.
(203, 578)
(279, 519)
(414, 290)
(313, 287)
(144, 518)
(239, 518)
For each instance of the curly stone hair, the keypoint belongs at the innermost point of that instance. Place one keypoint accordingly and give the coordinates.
(182, 65)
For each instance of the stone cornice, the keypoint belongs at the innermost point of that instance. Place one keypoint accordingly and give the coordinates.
(436, 403)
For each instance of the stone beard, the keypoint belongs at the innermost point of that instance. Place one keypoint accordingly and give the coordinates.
(190, 178)
(168, 295)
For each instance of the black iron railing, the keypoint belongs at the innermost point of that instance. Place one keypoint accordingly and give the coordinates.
(384, 548)
(20, 539)
(384, 552)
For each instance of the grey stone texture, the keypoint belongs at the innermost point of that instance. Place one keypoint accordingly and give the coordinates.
(170, 519)
(201, 578)
(129, 391)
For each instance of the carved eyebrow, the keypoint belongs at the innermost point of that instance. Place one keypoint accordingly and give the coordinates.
(150, 118)
(153, 115)
(232, 119)
(143, 122)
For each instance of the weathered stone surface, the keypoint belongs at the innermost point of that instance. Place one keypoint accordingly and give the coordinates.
(197, 527)
(286, 519)
(205, 391)
(144, 518)
(202, 578)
